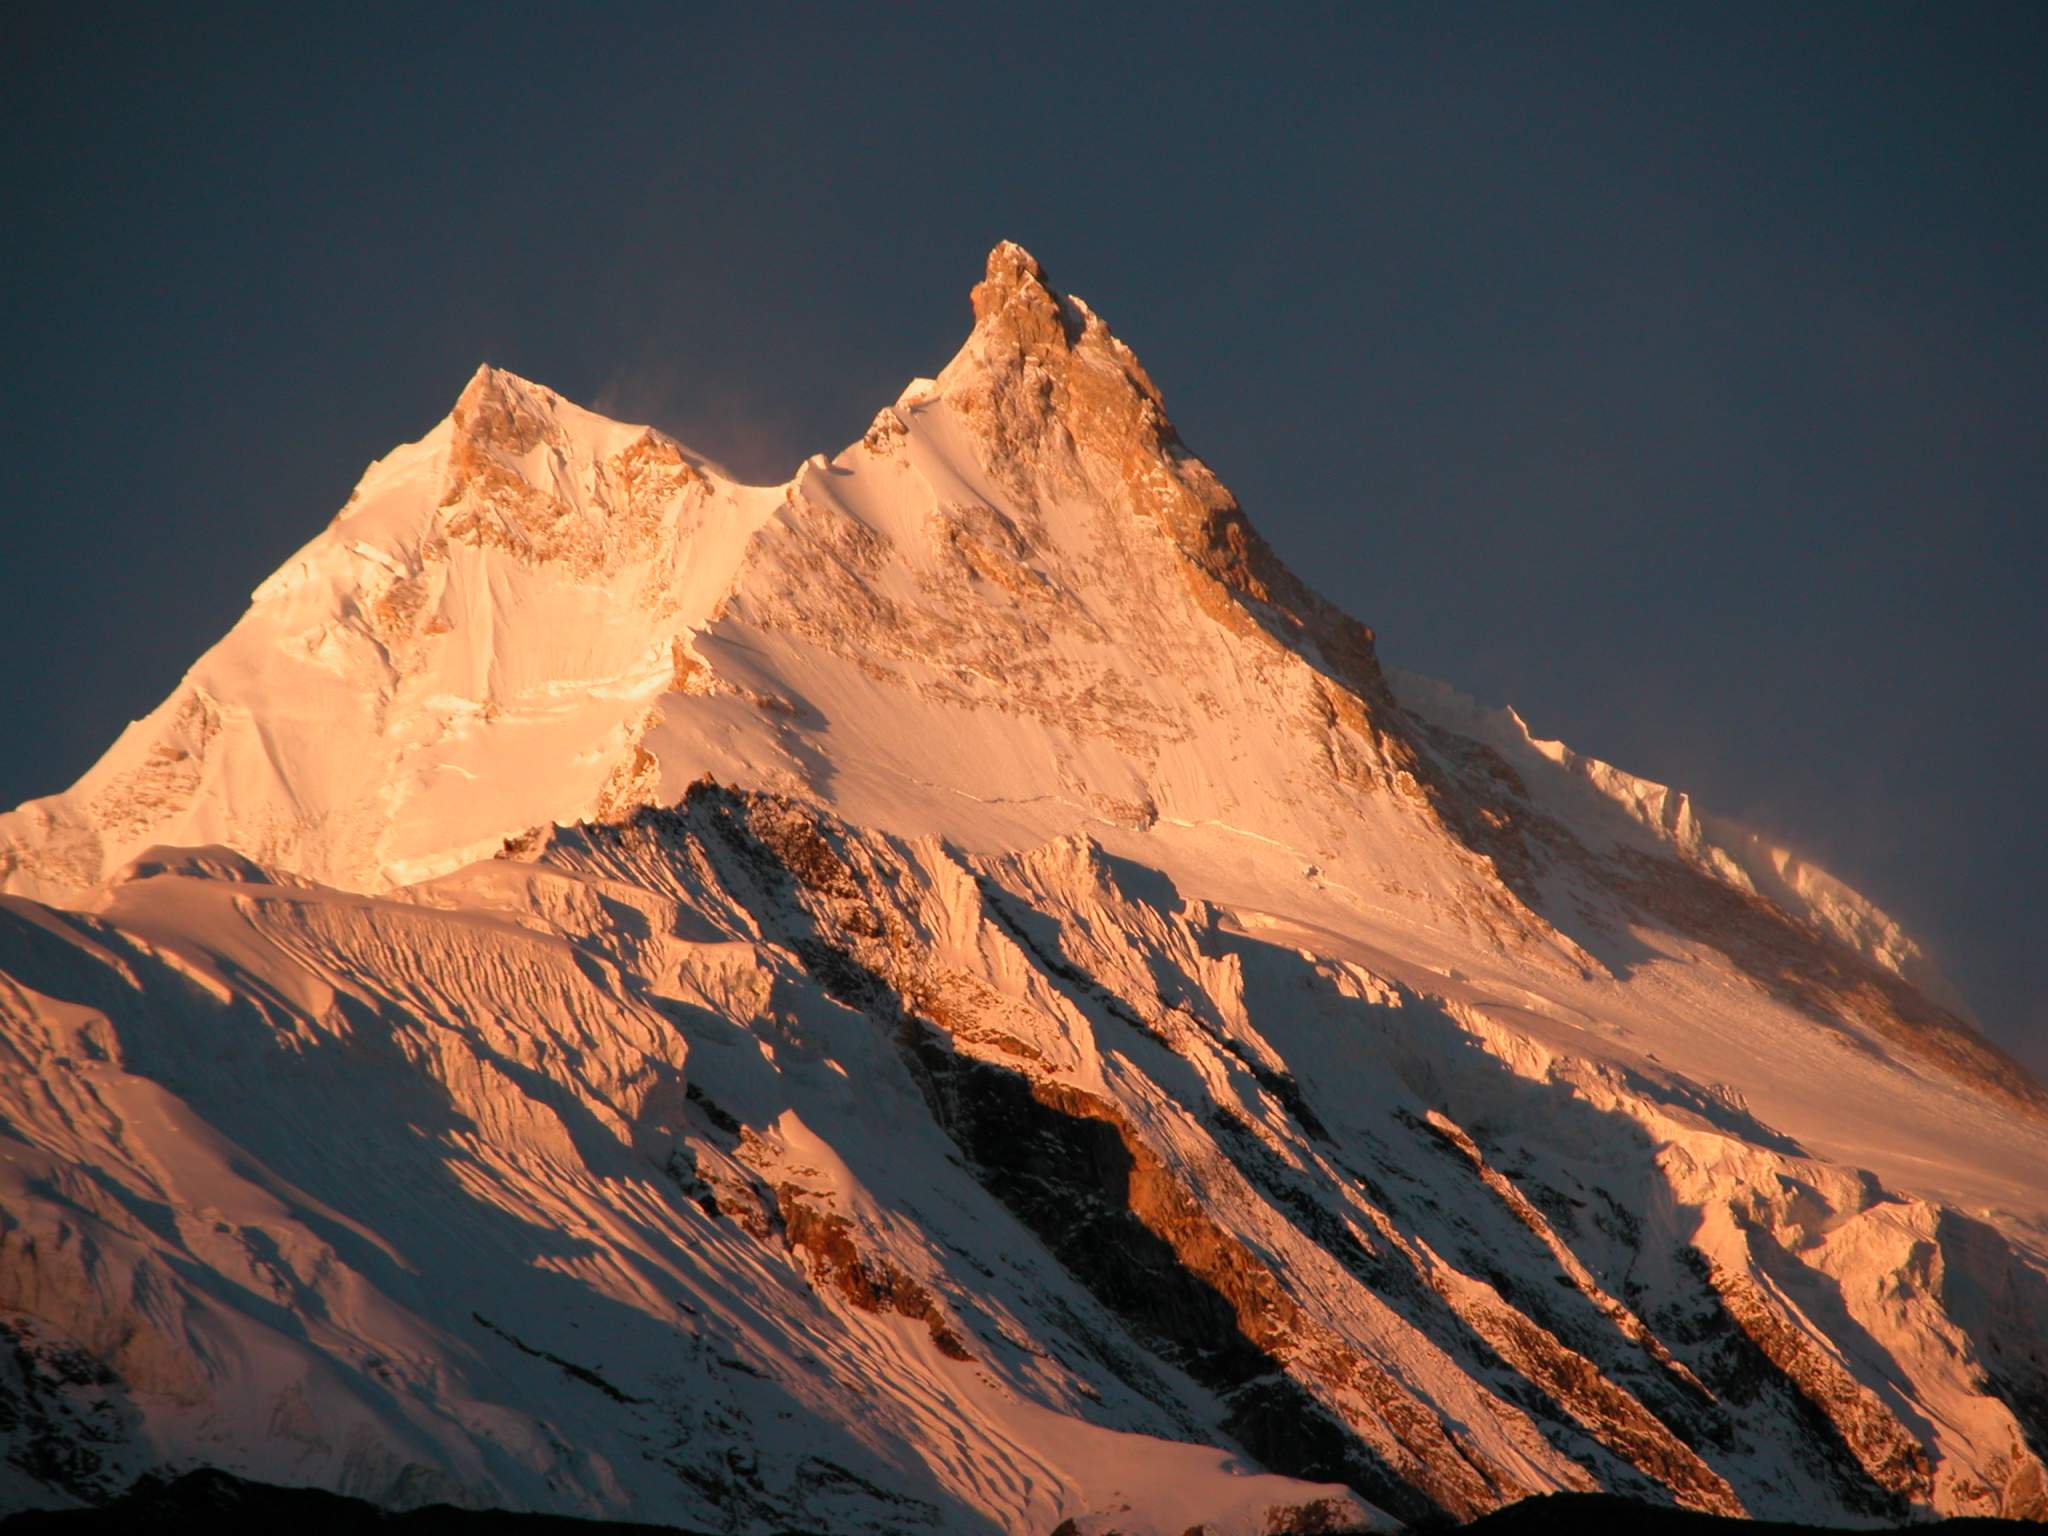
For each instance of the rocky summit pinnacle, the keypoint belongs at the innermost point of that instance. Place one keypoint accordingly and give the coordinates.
(954, 993)
(1016, 296)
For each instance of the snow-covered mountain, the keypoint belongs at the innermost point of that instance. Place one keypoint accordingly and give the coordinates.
(954, 994)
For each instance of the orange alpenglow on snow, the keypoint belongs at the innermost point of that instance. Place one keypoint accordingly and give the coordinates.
(954, 993)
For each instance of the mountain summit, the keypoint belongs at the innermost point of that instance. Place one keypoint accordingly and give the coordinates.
(955, 993)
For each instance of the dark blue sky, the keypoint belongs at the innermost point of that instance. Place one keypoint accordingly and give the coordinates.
(1678, 375)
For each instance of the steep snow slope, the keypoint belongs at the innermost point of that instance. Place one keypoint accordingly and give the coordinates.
(990, 1010)
(506, 591)
(425, 1203)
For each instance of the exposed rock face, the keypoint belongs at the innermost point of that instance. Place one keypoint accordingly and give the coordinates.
(990, 1012)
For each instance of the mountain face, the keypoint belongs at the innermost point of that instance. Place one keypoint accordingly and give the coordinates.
(955, 994)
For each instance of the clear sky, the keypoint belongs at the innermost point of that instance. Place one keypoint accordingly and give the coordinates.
(1676, 374)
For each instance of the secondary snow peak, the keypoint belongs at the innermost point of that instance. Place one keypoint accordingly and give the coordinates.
(501, 410)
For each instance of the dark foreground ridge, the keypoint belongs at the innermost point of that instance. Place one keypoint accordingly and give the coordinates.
(220, 1504)
(213, 1502)
(1575, 1514)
